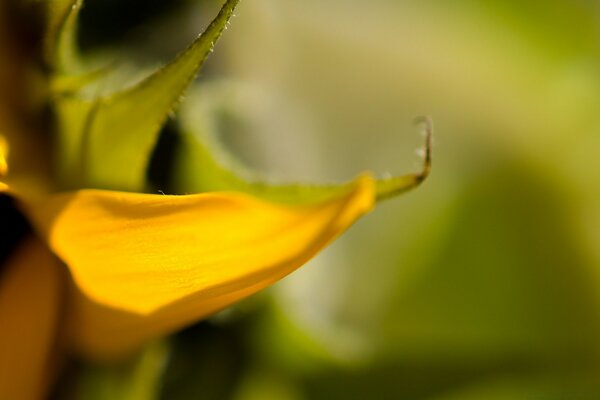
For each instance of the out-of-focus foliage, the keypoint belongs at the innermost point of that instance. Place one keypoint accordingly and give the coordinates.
(484, 284)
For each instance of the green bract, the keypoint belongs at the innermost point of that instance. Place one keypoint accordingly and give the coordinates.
(106, 141)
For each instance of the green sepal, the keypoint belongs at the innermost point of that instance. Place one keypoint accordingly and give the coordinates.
(202, 164)
(119, 131)
(73, 116)
(60, 44)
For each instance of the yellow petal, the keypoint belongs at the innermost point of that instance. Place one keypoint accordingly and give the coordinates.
(3, 163)
(3, 154)
(29, 302)
(145, 265)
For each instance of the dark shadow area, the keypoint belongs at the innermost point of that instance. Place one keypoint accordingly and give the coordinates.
(160, 166)
(103, 22)
(13, 226)
(207, 362)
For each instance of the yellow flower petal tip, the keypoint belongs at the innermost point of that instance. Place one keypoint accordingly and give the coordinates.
(145, 265)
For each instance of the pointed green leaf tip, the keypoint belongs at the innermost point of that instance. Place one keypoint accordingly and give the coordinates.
(68, 73)
(59, 40)
(392, 187)
(204, 165)
(116, 134)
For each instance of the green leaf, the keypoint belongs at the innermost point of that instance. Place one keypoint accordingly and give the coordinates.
(117, 133)
(202, 163)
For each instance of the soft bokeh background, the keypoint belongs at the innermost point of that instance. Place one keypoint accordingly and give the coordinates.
(482, 284)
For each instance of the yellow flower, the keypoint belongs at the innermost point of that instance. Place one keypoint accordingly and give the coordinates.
(139, 266)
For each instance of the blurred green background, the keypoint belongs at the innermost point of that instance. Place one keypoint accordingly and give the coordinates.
(483, 283)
